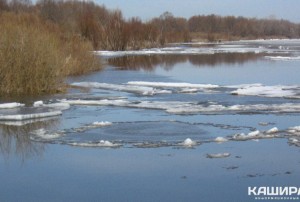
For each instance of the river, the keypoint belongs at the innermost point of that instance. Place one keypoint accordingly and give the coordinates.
(189, 122)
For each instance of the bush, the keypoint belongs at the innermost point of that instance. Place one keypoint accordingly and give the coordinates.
(79, 58)
(29, 57)
(34, 55)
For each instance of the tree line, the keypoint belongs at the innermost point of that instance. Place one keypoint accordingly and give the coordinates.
(108, 29)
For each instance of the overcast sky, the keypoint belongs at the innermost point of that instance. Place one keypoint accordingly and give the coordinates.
(147, 9)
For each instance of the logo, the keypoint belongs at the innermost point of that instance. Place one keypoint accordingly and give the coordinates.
(274, 193)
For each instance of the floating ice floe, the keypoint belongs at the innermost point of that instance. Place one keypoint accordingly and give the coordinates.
(218, 155)
(153, 88)
(171, 85)
(294, 130)
(249, 136)
(25, 122)
(283, 58)
(221, 139)
(45, 135)
(92, 126)
(178, 107)
(11, 105)
(188, 143)
(142, 90)
(102, 123)
(272, 130)
(102, 143)
(294, 141)
(20, 117)
(255, 135)
(38, 103)
(268, 91)
(57, 106)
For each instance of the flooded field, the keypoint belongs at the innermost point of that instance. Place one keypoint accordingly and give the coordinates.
(189, 122)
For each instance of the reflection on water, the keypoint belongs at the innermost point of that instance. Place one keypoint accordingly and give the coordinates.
(15, 139)
(149, 63)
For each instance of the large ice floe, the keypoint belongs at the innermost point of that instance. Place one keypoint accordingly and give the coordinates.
(152, 88)
(11, 105)
(19, 117)
(218, 155)
(120, 87)
(101, 143)
(180, 107)
(283, 58)
(268, 91)
(39, 110)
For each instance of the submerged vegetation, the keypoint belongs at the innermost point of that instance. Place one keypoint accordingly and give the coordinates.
(42, 43)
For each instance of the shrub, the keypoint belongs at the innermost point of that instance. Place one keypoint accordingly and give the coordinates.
(79, 58)
(35, 55)
(29, 58)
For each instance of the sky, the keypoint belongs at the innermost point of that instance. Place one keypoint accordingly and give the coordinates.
(147, 9)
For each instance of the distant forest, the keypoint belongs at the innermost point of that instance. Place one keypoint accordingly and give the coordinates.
(108, 29)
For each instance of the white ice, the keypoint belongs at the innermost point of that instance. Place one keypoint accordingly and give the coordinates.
(171, 85)
(283, 58)
(20, 117)
(38, 103)
(177, 107)
(57, 106)
(294, 130)
(102, 143)
(102, 123)
(120, 87)
(188, 143)
(11, 105)
(218, 155)
(268, 91)
(272, 130)
(221, 139)
(44, 134)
